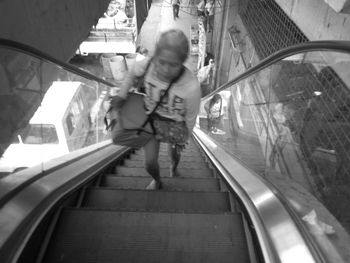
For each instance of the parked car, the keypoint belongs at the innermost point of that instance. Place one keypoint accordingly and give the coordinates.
(60, 125)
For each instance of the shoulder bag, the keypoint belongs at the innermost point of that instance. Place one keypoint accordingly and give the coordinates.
(132, 127)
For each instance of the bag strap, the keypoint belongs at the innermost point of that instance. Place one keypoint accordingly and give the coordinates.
(163, 96)
(112, 123)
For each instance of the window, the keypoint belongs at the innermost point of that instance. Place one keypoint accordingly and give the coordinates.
(70, 121)
(39, 134)
(73, 116)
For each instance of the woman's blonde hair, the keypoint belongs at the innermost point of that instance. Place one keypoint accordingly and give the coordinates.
(175, 40)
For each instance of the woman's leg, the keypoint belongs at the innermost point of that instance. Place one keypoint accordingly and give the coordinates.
(151, 150)
(175, 154)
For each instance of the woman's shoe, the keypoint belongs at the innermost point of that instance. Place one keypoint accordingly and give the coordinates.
(174, 172)
(154, 185)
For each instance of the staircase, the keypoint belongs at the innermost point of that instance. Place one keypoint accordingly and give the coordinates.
(190, 220)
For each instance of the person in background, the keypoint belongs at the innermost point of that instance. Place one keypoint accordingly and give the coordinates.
(181, 103)
(201, 8)
(204, 76)
(176, 8)
(201, 13)
(214, 109)
(191, 4)
(209, 7)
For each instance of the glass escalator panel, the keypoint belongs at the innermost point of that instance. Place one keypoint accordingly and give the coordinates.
(290, 124)
(46, 111)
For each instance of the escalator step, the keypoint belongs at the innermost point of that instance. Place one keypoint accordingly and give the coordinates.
(164, 152)
(166, 164)
(164, 172)
(194, 159)
(176, 201)
(170, 184)
(88, 235)
(188, 148)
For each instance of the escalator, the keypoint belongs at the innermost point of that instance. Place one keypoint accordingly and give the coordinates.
(191, 220)
(244, 191)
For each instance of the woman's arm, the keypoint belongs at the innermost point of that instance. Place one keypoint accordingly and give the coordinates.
(136, 71)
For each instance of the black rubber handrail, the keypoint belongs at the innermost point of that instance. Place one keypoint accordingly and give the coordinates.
(26, 49)
(337, 46)
(331, 45)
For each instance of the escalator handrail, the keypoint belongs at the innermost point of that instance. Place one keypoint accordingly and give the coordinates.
(26, 49)
(12, 185)
(335, 46)
(17, 185)
(331, 45)
(339, 46)
(23, 213)
(248, 191)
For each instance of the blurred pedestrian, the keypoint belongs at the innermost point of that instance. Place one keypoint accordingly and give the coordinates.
(214, 109)
(191, 5)
(176, 8)
(209, 7)
(178, 108)
(201, 13)
(201, 8)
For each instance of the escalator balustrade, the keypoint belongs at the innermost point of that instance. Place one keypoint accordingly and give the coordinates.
(190, 220)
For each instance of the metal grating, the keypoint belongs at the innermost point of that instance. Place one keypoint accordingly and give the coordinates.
(269, 28)
(317, 123)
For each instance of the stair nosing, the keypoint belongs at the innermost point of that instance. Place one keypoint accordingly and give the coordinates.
(168, 177)
(113, 188)
(120, 210)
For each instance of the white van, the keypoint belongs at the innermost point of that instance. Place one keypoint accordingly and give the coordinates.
(60, 125)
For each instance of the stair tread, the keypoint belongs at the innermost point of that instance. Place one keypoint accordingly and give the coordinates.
(174, 183)
(166, 153)
(87, 235)
(164, 172)
(157, 200)
(196, 159)
(166, 164)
